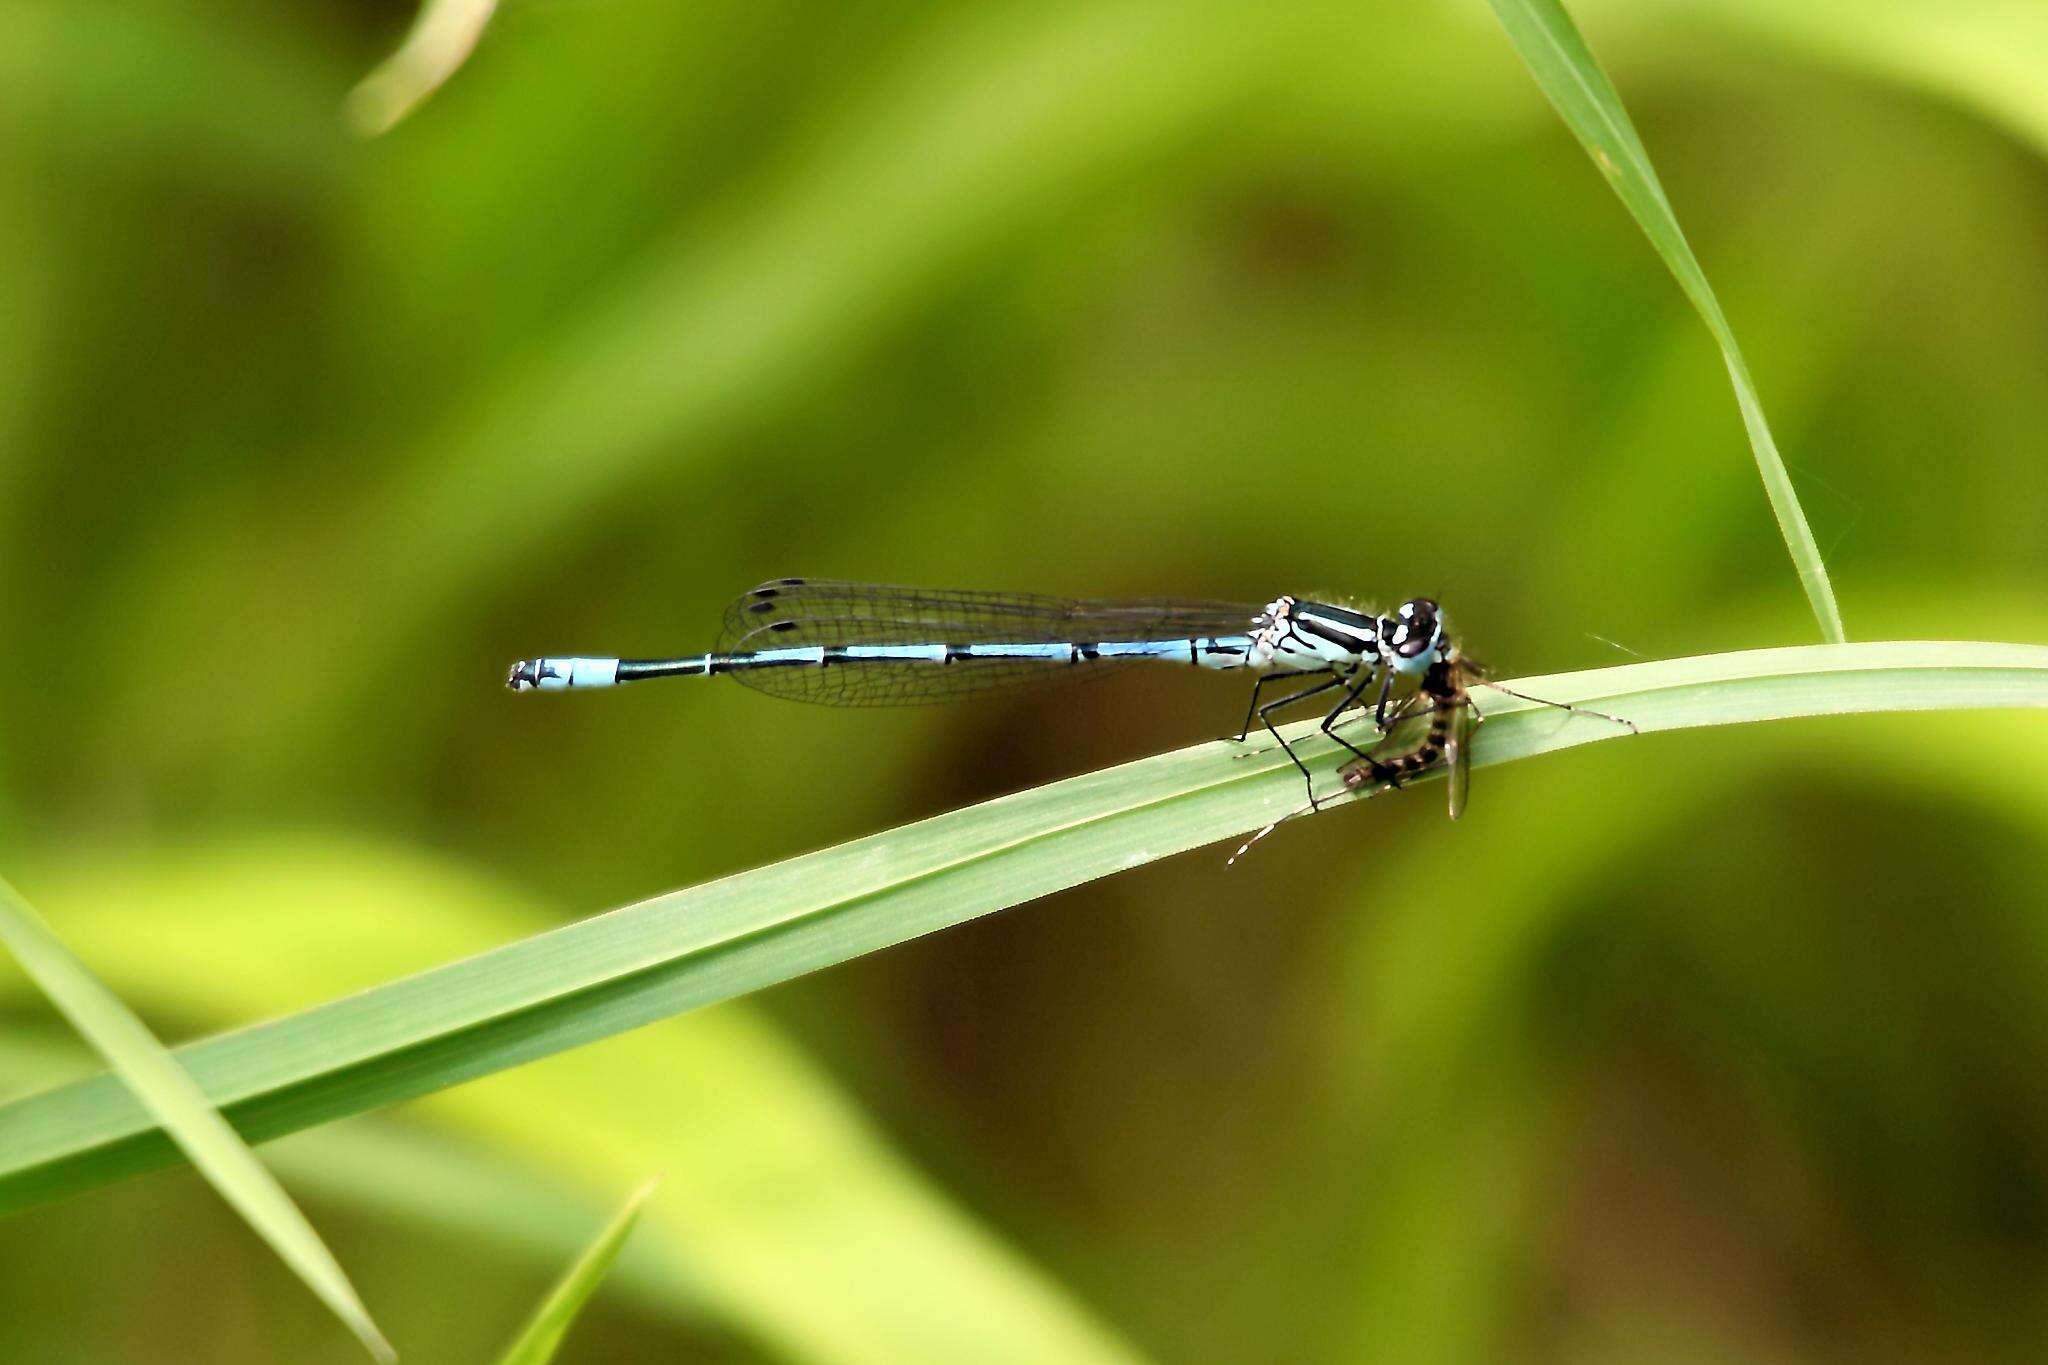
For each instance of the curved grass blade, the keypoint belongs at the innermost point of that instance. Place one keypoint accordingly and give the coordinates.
(536, 1345)
(156, 1084)
(675, 952)
(1564, 67)
(441, 40)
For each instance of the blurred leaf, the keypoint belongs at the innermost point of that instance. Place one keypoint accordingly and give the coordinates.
(996, 119)
(159, 1085)
(1565, 68)
(407, 1174)
(783, 1213)
(551, 1321)
(1435, 1010)
(156, 85)
(690, 948)
(442, 38)
(1987, 55)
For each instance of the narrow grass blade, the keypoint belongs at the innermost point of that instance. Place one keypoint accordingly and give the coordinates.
(1564, 67)
(441, 40)
(689, 948)
(157, 1085)
(551, 1321)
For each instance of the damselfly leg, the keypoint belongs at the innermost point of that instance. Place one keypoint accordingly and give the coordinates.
(1265, 715)
(1357, 785)
(1330, 721)
(1354, 686)
(1251, 712)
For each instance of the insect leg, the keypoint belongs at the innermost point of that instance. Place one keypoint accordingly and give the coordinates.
(1251, 712)
(1567, 706)
(1379, 712)
(1256, 710)
(1351, 695)
(1266, 719)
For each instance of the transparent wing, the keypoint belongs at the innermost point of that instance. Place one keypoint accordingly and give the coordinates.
(801, 611)
(1458, 756)
(798, 612)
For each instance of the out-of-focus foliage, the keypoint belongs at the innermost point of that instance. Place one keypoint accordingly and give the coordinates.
(1714, 1046)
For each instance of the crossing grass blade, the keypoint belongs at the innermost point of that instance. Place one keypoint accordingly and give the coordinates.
(675, 952)
(155, 1084)
(538, 1342)
(1551, 46)
(720, 1101)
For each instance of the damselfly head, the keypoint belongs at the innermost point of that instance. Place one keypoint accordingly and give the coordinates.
(1413, 637)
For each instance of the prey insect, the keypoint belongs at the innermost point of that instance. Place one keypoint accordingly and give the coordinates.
(1454, 717)
(1445, 695)
(859, 644)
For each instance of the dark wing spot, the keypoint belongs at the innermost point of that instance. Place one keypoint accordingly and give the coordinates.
(783, 625)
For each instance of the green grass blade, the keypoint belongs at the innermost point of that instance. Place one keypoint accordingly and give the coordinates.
(689, 948)
(536, 1345)
(155, 1083)
(1564, 67)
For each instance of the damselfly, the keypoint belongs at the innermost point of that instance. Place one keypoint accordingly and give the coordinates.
(859, 644)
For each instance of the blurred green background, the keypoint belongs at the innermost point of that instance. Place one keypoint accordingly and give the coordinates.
(1724, 1046)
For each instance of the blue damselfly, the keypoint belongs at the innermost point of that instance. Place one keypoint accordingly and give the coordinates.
(862, 644)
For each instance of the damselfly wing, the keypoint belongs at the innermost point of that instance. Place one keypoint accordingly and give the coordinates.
(861, 644)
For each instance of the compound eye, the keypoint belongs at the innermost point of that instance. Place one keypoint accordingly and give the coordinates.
(1412, 631)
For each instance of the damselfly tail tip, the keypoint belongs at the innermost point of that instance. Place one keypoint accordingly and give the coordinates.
(560, 674)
